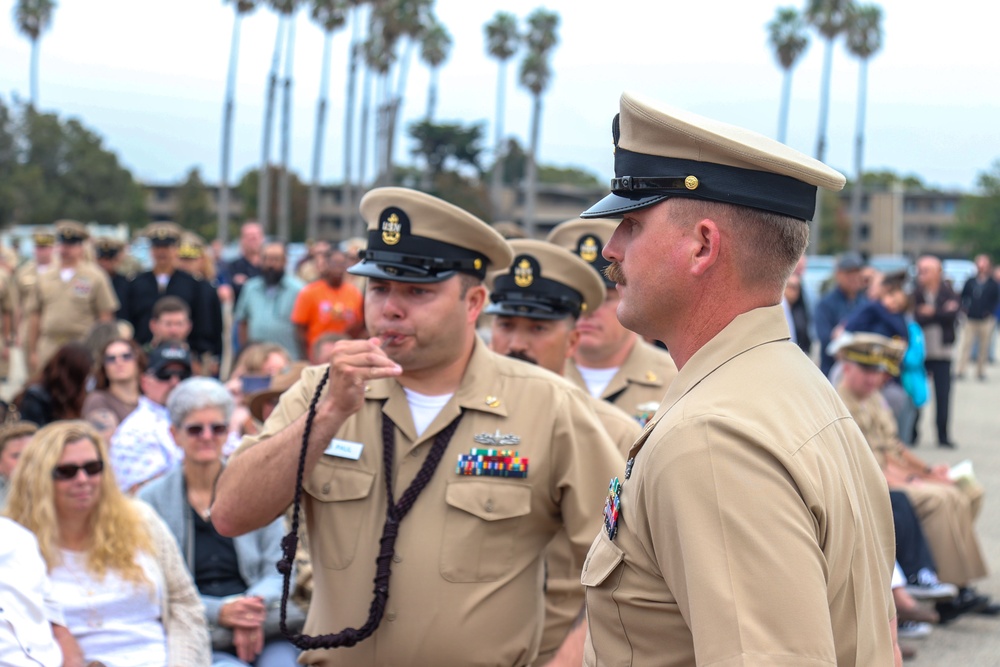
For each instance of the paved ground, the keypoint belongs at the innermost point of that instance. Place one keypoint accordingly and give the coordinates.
(975, 421)
(970, 640)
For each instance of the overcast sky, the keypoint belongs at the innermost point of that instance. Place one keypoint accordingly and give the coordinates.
(150, 77)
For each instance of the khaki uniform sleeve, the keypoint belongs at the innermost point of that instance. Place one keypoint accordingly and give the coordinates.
(738, 549)
(105, 299)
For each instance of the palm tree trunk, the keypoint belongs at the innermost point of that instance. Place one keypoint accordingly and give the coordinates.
(227, 131)
(496, 181)
(531, 171)
(824, 106)
(264, 178)
(312, 224)
(284, 190)
(786, 98)
(34, 72)
(366, 94)
(395, 108)
(432, 95)
(352, 76)
(859, 146)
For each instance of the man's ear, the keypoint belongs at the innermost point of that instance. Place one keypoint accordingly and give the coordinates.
(708, 240)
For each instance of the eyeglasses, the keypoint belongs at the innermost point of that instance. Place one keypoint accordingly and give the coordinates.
(216, 430)
(124, 356)
(69, 471)
(165, 374)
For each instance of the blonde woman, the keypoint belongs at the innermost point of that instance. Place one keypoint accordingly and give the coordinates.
(128, 599)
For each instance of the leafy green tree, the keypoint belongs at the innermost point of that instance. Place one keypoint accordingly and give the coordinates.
(502, 42)
(787, 36)
(240, 9)
(886, 178)
(864, 39)
(248, 190)
(194, 210)
(977, 221)
(33, 17)
(536, 75)
(441, 143)
(330, 16)
(568, 176)
(59, 169)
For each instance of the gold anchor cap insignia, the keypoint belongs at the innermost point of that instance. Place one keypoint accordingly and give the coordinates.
(391, 230)
(589, 249)
(523, 273)
(691, 182)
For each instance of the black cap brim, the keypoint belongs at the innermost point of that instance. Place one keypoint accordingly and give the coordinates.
(401, 273)
(529, 309)
(615, 206)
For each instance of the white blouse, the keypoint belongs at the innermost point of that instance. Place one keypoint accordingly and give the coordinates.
(115, 621)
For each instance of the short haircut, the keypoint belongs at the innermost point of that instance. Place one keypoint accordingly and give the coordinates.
(766, 246)
(198, 393)
(15, 430)
(324, 339)
(170, 304)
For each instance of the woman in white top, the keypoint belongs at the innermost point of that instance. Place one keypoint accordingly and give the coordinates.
(126, 595)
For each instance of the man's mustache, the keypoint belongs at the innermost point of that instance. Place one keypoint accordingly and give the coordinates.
(517, 354)
(614, 273)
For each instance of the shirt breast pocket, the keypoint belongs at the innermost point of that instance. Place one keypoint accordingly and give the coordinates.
(340, 497)
(603, 559)
(480, 528)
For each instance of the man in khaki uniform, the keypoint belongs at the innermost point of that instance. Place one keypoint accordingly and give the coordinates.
(947, 510)
(26, 275)
(536, 304)
(521, 456)
(751, 525)
(610, 361)
(67, 301)
(8, 320)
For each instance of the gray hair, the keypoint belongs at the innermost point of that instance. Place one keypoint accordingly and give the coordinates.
(196, 393)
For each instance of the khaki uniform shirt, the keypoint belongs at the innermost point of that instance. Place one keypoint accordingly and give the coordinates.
(563, 593)
(874, 416)
(467, 575)
(68, 310)
(643, 378)
(755, 528)
(8, 308)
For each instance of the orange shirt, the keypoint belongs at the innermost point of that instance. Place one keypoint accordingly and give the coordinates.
(324, 309)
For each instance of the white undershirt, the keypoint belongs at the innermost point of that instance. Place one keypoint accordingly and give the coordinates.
(162, 279)
(66, 275)
(115, 621)
(597, 379)
(425, 408)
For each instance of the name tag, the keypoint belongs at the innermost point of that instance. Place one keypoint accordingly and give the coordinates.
(345, 449)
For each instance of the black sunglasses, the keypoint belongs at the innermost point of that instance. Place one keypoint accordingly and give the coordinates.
(69, 471)
(165, 374)
(124, 356)
(217, 430)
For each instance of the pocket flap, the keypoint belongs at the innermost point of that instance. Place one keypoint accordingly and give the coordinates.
(602, 560)
(490, 501)
(330, 482)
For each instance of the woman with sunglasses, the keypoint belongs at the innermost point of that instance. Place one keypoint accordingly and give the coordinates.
(126, 596)
(116, 392)
(236, 577)
(58, 391)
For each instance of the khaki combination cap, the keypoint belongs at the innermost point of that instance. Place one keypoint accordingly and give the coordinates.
(192, 246)
(870, 350)
(44, 238)
(107, 247)
(662, 152)
(587, 239)
(71, 231)
(416, 238)
(544, 282)
(163, 233)
(279, 384)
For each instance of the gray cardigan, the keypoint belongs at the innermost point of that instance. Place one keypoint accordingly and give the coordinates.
(256, 555)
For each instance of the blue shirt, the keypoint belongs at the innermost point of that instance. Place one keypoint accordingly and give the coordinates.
(268, 311)
(832, 310)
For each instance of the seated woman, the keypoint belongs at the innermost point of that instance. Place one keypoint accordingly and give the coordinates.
(59, 390)
(116, 392)
(126, 596)
(239, 585)
(257, 364)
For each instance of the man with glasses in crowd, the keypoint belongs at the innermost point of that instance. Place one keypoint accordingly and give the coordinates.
(142, 447)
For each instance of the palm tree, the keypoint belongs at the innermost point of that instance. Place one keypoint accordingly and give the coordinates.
(502, 41)
(829, 17)
(435, 46)
(329, 15)
(864, 39)
(289, 8)
(240, 9)
(787, 36)
(34, 17)
(264, 190)
(536, 75)
(354, 55)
